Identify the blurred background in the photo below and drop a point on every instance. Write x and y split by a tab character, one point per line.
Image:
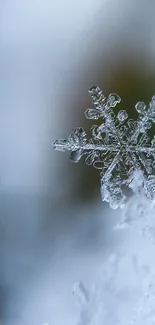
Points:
54	229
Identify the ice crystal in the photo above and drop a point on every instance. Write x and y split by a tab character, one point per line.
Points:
120	147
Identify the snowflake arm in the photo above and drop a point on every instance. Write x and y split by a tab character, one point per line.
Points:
120	147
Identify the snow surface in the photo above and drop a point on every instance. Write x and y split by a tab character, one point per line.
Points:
124	293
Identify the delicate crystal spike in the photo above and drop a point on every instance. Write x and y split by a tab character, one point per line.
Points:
120	147
140	107
97	96
113	100
93	114
60	145
122	116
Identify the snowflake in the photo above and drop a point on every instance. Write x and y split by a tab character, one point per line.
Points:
120	147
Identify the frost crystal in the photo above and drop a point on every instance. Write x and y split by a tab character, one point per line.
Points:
120	147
